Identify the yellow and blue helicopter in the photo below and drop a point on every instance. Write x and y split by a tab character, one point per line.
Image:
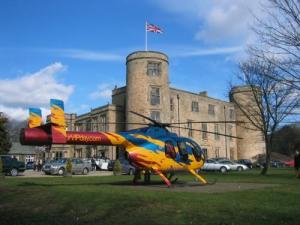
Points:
152	149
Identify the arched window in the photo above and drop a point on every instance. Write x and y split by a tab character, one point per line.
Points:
170	150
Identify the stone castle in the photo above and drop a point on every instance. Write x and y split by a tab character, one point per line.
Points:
147	92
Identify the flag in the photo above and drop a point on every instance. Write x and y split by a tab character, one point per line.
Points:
153	28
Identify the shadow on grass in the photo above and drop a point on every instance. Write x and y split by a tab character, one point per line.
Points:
126	183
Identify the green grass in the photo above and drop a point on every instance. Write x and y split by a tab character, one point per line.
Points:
95	200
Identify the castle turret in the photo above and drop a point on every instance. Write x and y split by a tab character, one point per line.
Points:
147	80
252	143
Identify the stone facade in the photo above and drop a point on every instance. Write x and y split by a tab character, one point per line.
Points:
147	92
252	140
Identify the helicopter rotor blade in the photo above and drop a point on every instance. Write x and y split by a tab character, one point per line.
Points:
156	123
145	117
221	121
209	132
147	124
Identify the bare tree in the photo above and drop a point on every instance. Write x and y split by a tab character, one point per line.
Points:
271	102
278	35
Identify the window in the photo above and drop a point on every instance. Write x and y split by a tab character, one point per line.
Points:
102	123
155	96
88	125
195	106
79	127
211	109
153	68
170	150
58	155
183	151
204	128
204	150
232	153
217	152
217	136
171	104
155	115
231	114
95	124
190	127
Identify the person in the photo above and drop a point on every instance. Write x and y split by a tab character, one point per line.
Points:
297	163
93	164
39	166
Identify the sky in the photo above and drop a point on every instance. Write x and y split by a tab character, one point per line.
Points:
75	50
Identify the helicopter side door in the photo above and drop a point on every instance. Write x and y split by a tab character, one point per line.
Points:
183	152
170	149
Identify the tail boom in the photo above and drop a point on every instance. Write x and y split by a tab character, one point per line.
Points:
42	136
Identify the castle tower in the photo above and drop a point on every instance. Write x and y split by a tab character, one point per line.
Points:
147	87
252	143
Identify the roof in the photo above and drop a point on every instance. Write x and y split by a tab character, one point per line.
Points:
18	149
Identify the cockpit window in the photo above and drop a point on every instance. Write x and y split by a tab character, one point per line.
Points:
170	150
183	150
197	152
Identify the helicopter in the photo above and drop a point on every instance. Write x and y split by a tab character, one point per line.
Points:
151	149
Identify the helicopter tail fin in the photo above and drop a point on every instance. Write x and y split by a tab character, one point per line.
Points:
35	117
57	119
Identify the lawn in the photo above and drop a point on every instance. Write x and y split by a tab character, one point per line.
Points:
100	200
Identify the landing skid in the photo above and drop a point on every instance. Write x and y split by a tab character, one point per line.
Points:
168	180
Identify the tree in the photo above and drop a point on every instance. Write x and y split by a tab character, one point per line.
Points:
5	143
272	102
278	35
286	139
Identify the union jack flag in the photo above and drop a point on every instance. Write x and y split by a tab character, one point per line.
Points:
153	28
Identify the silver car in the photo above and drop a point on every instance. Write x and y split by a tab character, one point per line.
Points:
59	167
234	165
214	165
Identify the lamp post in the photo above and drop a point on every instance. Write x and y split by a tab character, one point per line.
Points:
178	117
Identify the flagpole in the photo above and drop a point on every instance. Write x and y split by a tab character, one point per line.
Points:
146	47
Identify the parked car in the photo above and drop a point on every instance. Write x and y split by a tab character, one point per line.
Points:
30	165
47	166
12	166
219	158
58	167
289	163
246	162
127	168
277	164
234	165
213	165
102	163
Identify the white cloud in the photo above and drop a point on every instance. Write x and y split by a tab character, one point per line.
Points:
32	90
88	55
103	91
219	20
190	52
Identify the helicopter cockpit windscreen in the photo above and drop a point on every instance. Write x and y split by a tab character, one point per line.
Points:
197	152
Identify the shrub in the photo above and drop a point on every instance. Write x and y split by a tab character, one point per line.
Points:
117	168
69	166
